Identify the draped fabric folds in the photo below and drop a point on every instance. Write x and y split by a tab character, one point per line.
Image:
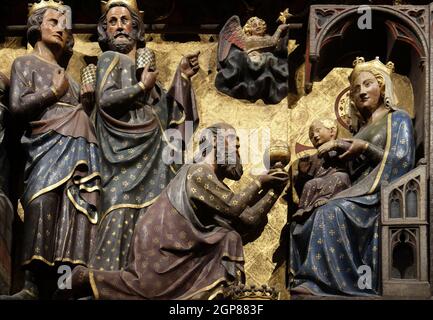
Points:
342	235
62	179
135	148
242	78
175	254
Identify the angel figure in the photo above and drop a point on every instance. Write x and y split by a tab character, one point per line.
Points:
253	65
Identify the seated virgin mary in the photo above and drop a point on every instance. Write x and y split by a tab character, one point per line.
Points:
328	249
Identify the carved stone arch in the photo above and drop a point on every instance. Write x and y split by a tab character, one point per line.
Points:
411	28
336	14
404	254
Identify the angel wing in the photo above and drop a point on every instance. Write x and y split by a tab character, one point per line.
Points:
231	34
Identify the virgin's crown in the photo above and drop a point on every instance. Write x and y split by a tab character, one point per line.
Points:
376	64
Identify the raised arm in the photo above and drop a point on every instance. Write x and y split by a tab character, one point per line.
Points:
207	192
115	91
26	102
180	88
254	42
253	216
352	148
277	34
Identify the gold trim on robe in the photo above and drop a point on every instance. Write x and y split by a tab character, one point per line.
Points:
386	153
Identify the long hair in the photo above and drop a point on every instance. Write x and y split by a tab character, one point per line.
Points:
137	25
34	35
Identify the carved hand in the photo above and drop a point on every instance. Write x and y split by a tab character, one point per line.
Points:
269	181
283	27
87	96
339	145
60	82
326	147
148	78
357	147
87	88
189	64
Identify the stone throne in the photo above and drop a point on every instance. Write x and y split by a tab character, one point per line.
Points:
399	34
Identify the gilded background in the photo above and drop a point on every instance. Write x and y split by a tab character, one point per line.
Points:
286	122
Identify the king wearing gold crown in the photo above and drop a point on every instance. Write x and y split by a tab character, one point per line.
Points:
133	112
382	150
130	4
45	4
62	158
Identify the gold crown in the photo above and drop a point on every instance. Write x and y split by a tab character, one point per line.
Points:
242	292
54	4
131	4
360	65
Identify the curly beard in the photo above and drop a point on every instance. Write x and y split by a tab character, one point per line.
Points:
122	46
232	166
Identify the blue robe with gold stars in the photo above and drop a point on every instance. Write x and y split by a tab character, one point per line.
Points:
339	237
131	127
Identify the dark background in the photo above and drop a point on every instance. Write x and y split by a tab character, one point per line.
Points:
179	16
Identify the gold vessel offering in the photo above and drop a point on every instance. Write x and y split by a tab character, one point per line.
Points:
277	156
144	57
88	75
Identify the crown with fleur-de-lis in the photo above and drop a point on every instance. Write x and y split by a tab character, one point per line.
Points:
242	292
130	4
360	65
375	67
54	4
